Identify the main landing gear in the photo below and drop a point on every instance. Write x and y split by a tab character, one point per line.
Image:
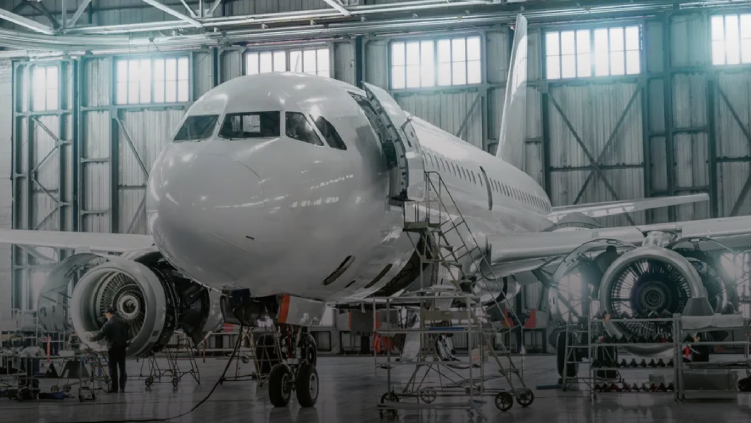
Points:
297	371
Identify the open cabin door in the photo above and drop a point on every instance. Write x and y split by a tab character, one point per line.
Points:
401	147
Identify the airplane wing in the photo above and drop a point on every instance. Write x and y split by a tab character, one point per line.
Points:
626	206
514	253
87	241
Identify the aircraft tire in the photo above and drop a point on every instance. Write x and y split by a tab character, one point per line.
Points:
280	386
307	385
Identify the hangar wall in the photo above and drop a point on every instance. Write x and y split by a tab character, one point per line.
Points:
680	126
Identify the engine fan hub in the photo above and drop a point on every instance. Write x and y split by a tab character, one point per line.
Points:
129	304
654	296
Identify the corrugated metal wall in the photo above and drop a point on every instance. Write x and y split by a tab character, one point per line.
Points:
593	112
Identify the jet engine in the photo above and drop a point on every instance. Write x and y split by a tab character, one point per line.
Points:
150	295
656	279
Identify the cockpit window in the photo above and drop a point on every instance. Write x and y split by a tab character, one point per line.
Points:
250	125
197	128
329	133
298	127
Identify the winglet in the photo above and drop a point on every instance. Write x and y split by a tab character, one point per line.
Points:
514	122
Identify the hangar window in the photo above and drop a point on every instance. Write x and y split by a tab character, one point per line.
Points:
197	128
297	126
45	87
250	125
264	62
144	81
329	133
731	39
427	63
600	52
314	62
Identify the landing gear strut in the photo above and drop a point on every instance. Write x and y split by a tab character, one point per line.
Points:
297	371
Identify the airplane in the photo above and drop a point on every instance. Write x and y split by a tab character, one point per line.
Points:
288	192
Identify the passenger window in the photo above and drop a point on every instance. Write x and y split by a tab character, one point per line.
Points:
250	125
329	133
297	127
197	128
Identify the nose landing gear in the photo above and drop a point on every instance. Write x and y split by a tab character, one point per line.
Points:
297	371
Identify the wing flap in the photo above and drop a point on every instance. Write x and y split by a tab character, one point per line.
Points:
91	241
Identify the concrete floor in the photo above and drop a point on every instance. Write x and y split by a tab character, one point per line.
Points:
350	388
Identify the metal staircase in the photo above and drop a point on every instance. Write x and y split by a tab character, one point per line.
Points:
438	220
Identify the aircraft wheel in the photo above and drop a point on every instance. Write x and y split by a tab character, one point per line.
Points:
280	385
307	385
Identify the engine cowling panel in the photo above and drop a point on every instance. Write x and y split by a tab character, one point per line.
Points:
147	292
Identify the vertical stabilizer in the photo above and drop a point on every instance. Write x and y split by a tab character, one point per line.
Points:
514	121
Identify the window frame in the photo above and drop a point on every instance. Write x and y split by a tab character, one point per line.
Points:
592	51
741	64
288	49
152	57
481	35
33	107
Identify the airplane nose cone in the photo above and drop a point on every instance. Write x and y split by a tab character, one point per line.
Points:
204	209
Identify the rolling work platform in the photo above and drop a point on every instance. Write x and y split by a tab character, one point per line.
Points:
454	305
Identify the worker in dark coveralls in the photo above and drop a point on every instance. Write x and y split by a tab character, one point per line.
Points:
115	332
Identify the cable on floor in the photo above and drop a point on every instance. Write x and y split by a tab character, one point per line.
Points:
195	407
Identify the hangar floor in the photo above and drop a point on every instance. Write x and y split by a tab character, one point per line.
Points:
349	390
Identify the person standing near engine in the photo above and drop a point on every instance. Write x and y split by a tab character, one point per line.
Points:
115	332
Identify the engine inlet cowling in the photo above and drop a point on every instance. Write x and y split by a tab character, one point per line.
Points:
149	295
648	282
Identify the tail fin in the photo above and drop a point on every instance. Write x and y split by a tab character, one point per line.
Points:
514	122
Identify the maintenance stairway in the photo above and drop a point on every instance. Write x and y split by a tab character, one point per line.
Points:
466	304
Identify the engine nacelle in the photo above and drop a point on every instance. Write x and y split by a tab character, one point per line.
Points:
147	292
648	281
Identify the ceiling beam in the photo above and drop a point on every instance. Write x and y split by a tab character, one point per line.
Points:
79	13
173	12
189	9
338	6
25	22
214	6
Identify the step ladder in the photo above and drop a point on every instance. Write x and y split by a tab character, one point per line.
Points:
435	220
576	345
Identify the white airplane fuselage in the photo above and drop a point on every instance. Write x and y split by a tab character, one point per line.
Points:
278	215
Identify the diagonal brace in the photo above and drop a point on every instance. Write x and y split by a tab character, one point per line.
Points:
79	12
338	6
592	160
747	186
132	146
469	114
25	22
611	139
170	11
